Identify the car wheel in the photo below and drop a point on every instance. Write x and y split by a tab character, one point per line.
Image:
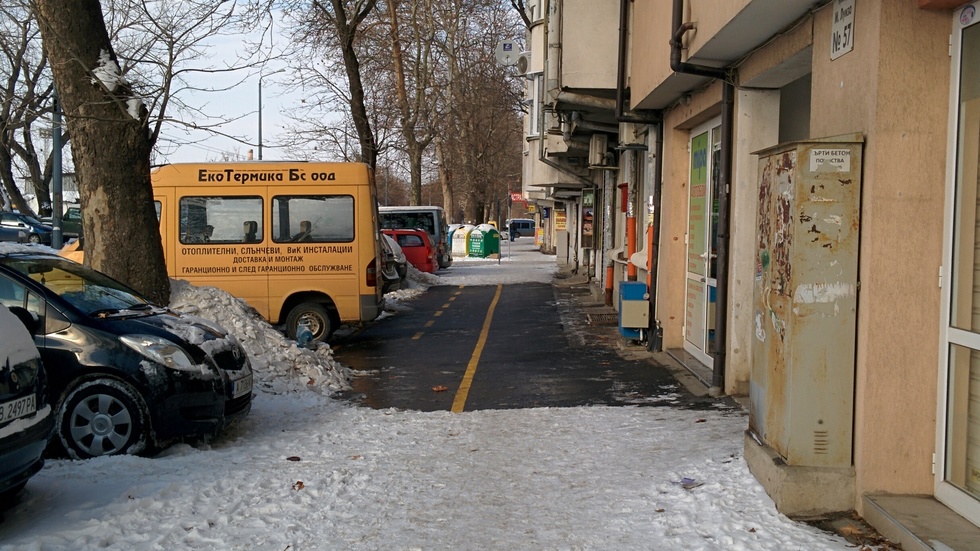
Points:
103	417
34	238
315	316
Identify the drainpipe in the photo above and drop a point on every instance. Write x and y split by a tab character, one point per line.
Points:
727	136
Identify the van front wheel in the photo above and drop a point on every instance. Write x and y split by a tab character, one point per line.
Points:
315	316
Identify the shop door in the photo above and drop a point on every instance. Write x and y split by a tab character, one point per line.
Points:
958	449
702	238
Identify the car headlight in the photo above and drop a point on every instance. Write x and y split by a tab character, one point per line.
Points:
161	351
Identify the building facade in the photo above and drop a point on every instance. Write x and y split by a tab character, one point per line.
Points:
796	183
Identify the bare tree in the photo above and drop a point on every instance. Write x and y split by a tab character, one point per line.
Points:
161	45
414	78
25	99
111	145
481	102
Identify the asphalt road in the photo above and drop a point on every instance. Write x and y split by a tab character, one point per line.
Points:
464	348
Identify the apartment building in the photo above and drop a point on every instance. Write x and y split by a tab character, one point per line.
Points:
796	184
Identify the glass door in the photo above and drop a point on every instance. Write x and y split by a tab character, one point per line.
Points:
702	239
958	449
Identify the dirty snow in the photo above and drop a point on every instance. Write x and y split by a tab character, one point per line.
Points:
305	471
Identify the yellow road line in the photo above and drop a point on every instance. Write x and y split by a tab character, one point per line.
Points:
459	402
429	323
417	336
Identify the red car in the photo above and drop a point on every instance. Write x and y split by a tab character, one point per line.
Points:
417	247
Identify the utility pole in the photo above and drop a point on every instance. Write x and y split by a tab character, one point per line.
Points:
57	211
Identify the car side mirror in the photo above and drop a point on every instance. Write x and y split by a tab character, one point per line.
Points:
29	320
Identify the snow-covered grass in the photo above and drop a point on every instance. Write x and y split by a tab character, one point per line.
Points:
305	471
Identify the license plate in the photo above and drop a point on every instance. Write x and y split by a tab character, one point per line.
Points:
241	386
20	407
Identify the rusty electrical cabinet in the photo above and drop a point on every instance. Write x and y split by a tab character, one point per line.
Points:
805	298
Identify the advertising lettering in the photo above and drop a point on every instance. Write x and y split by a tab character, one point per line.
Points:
231	175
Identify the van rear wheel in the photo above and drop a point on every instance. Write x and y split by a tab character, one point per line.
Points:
315	316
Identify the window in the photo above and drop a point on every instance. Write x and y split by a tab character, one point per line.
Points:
534	101
409	221
313	218
220	219
410	241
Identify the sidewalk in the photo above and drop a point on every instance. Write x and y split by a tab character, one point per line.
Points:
599	324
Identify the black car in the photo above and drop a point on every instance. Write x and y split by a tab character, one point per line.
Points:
24	228
71	222
124	375
26	420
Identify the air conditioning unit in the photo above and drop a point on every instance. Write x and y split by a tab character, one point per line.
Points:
597	149
523	63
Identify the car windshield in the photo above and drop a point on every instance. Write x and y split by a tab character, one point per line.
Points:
84	288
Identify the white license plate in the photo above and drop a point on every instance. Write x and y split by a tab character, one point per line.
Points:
20	407
241	386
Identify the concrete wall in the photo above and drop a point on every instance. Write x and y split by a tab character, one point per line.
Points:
894	87
650	57
585	64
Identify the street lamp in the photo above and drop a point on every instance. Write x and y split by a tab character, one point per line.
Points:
260	109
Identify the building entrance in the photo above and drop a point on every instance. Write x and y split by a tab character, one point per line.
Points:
702	239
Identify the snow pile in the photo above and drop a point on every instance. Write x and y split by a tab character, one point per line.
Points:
278	363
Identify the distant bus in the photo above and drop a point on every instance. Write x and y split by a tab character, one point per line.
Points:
432	219
297	241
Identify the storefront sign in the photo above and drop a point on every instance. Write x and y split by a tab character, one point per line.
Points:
560	220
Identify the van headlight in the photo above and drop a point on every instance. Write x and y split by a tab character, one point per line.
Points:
161	351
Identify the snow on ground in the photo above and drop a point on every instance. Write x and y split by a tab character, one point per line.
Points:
305	471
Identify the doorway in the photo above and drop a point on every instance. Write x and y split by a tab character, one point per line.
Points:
702	240
958	441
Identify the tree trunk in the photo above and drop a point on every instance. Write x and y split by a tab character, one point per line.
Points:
110	145
448	199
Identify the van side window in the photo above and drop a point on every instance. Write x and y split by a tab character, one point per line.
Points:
313	218
219	219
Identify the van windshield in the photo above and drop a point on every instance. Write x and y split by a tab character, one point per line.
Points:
409	221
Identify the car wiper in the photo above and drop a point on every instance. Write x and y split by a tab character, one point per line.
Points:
104	313
140	306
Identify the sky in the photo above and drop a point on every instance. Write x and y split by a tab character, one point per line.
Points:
306	471
239	103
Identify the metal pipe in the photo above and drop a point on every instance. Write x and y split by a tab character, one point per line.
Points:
57	190
725	174
721	293
653	342
676	64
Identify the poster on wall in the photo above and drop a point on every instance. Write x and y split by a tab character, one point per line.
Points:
560	220
588	217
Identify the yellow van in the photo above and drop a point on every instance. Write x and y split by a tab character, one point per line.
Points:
297	241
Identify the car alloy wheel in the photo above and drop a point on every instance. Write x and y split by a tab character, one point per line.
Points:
103	417
34	238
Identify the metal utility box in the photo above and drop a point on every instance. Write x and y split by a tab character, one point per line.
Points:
805	299
634	309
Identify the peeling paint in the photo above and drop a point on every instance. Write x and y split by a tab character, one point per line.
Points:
811	293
